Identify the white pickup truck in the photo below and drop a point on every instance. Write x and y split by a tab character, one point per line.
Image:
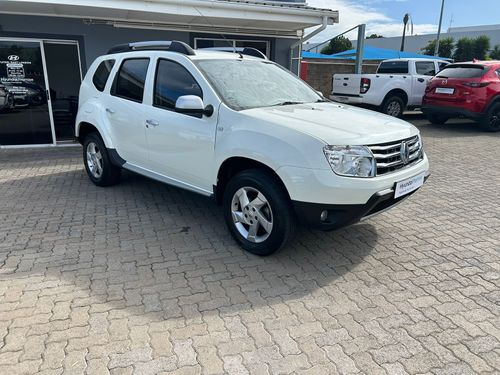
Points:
397	85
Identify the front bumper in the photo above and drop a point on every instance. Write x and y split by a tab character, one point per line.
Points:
341	215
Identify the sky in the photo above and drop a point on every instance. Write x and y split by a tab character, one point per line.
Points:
385	16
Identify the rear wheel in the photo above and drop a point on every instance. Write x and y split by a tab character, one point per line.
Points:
437	119
393	106
97	162
258	212
491	122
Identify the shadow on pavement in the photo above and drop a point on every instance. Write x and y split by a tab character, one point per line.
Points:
152	249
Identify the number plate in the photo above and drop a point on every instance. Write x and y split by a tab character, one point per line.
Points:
410	184
444	90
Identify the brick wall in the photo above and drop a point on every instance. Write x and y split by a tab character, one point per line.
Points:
320	72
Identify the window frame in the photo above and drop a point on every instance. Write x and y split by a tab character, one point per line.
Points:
158	61
107	78
112	91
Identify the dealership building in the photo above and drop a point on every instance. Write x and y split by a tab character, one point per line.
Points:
46	47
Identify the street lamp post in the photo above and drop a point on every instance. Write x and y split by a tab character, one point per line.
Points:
405	22
436	48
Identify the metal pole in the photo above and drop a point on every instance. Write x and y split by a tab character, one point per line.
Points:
360	47
436	49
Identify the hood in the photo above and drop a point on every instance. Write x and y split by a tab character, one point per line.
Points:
336	124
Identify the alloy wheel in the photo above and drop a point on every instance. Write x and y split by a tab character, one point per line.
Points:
394	109
252	214
94	160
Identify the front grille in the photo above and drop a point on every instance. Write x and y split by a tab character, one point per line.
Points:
390	158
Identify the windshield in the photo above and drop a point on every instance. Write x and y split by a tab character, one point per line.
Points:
247	83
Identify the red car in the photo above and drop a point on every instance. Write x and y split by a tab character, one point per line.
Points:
470	90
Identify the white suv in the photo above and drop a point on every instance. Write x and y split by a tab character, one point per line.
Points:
247	132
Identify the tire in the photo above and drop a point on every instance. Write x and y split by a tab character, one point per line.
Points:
436	119
266	208
97	162
393	106
491	122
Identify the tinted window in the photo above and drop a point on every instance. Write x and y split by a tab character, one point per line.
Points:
173	80
498	73
101	74
425	68
443	65
462	71
129	81
394	67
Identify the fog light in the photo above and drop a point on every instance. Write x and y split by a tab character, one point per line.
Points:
324	215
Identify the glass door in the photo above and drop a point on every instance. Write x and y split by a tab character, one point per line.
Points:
24	109
64	77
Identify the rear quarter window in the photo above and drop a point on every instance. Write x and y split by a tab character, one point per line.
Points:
101	74
393	67
462	71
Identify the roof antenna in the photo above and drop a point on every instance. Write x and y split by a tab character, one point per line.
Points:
222	35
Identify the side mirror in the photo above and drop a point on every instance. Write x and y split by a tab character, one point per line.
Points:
319	93
193	105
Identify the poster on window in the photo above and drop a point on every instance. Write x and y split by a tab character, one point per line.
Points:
24	114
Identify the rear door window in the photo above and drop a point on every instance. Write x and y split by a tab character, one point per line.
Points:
425	68
101	74
130	79
443	65
393	67
463	71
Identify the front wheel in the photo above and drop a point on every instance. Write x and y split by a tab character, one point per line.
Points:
258	212
491	122
97	162
393	106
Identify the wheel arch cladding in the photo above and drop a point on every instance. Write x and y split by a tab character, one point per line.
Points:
236	164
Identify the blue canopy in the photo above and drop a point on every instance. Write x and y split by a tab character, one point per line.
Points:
370	53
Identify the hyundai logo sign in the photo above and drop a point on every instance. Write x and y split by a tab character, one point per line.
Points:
13	58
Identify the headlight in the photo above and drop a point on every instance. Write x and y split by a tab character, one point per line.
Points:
353	161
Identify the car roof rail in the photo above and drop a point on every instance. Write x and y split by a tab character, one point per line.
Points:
249	51
171	46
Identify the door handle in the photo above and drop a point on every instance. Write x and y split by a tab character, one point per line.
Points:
420	79
110	111
152	123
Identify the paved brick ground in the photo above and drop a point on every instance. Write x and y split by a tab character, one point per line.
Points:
143	278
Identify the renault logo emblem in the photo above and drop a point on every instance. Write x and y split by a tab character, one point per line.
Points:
13	58
404	153
444	81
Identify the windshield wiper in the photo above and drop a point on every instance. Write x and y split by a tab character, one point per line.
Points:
285	103
322	101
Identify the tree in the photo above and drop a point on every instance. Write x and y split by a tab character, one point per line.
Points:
468	49
495	53
336	45
446	46
481	47
374	36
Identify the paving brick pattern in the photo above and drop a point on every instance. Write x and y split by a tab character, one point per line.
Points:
143	278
